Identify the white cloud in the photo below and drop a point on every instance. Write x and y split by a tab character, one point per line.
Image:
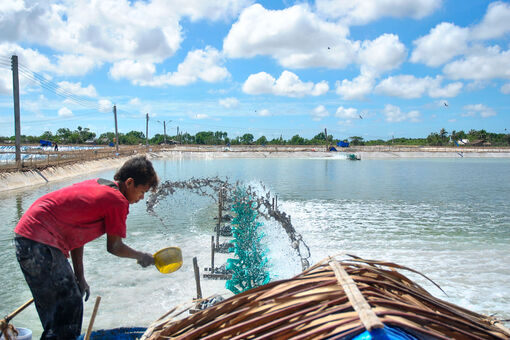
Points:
382	54
200	116
65	112
358	88
347	113
133	70
212	10
264	113
362	12
74	65
105	106
67	88
288	85
229	103
83	34
444	42
495	23
205	65
319	113
481	109
294	36
395	115
505	88
489	63
408	86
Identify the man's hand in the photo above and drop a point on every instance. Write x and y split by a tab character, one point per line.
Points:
84	288
145	260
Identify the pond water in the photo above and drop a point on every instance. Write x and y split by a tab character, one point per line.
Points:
447	218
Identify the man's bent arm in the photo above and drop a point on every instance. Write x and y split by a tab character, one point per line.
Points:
115	246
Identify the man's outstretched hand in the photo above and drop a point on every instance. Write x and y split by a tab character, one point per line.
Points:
145	260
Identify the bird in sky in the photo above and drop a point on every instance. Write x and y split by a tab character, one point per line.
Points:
446	104
360	117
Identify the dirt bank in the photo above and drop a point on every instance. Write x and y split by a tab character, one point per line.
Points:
21	179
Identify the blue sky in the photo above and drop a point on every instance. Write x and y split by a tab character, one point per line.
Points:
369	68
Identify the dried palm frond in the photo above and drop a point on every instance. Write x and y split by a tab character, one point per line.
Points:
337	299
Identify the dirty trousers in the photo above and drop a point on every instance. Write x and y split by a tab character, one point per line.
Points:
56	293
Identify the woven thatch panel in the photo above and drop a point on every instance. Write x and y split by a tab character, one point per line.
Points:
321	303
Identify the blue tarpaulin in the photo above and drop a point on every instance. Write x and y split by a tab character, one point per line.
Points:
343	144
386	333
123	333
44	142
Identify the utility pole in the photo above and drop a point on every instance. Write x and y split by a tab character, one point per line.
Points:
147	131
326	136
116	130
178	137
15	93
164	131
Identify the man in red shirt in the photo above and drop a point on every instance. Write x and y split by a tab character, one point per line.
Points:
62	222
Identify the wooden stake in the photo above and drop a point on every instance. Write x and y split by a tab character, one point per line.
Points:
197	278
92	318
212	254
219	219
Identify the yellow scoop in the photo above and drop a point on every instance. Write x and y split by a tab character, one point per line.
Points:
168	260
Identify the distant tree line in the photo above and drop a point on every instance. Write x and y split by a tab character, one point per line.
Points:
85	136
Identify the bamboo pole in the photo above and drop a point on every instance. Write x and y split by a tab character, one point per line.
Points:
92	318
197	278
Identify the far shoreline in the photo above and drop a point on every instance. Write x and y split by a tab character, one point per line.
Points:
22	179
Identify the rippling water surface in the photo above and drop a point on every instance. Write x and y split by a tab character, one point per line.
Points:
447	218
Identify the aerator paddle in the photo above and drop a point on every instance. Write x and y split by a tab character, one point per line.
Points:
168	260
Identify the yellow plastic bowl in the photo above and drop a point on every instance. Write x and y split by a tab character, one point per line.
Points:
168	260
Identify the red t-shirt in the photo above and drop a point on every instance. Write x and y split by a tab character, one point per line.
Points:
72	216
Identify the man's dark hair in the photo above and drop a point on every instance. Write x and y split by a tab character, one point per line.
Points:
140	169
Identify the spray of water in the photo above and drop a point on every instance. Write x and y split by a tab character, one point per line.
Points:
261	202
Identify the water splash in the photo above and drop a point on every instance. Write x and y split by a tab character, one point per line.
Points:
261	202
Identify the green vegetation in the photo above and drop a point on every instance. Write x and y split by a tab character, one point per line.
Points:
440	138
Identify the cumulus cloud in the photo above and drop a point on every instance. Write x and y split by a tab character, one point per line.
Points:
105	106
382	54
495	23
288	85
65	112
347	113
358	88
395	115
319	113
489	63
229	103
205	65
147	31
74	65
68	88
362	12
480	109
444	42
294	36
408	86
133	70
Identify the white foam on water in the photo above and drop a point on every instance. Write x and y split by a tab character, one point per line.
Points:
441	243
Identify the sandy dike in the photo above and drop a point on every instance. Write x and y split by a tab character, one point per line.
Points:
17	180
